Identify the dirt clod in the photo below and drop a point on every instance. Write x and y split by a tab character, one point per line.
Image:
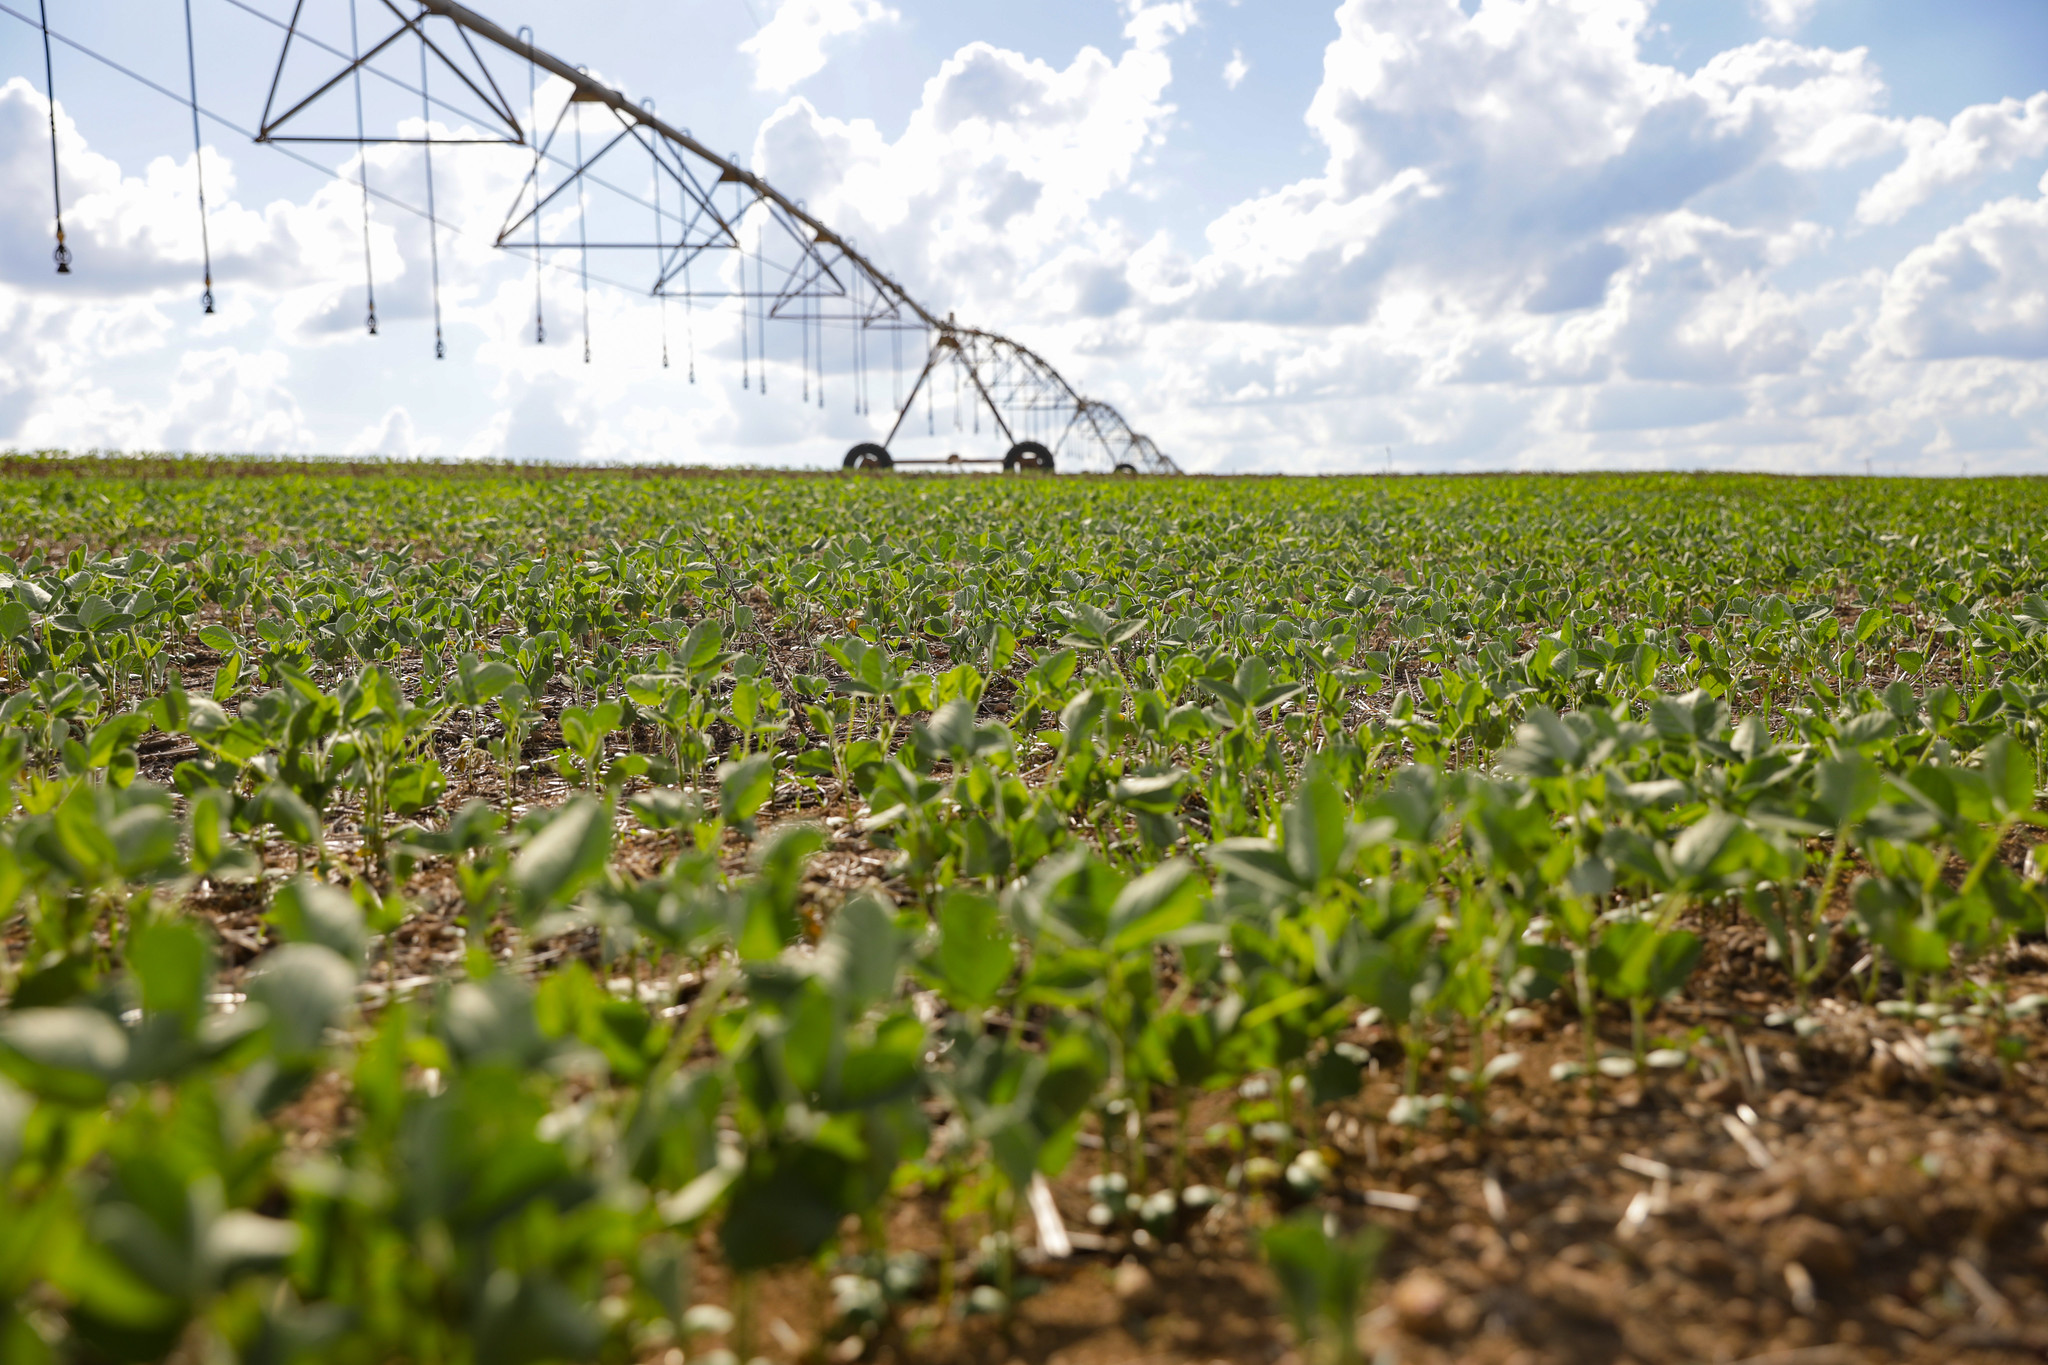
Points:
1421	1300
1134	1286
1822	1248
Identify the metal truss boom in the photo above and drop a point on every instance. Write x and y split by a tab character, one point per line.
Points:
760	246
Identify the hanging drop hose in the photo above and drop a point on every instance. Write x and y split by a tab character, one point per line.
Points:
362	166
433	228
689	319
540	330
198	171
660	286
62	254
744	320
582	228
761	289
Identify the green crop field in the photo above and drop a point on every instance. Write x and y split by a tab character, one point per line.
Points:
477	914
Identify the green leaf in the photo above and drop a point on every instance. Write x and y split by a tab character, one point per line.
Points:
1847	788
1857	732
1672	961
2009	773
308	911
1620	961
493	1020
479	684
112	736
94	612
1322	1279
1544	745
69	1054
1190	1047
1074	1070
1079	717
280	806
888	1068
303	988
1634	961
974	956
700	649
1714	847
1256	861
664	808
172	965
1167	898
412	787
1334	1077
1313	826
744	787
785	1206
862	950
1153	793
525	1319
568	853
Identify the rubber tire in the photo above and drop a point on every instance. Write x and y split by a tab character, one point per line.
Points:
1027	455
867	455
1127	470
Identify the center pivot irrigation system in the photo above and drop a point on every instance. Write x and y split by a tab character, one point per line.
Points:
714	230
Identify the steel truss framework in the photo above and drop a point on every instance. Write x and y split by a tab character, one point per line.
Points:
715	230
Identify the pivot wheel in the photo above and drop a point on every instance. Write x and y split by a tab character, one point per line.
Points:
1128	471
867	455
1028	455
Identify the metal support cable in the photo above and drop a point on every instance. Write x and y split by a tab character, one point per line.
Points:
1013	375
661	299
279	149
198	170
760	288
582	233
363	173
744	326
62	254
540	328
301	36
433	227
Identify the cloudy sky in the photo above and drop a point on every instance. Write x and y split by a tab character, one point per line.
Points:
1280	235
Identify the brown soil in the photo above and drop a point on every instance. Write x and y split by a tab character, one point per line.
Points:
1887	1213
1829	1200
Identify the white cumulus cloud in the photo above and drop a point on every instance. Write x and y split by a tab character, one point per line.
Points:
1525	243
1236	69
1783	16
989	196
1979	141
790	48
1979	288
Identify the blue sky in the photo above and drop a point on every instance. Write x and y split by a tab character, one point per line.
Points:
1293	236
